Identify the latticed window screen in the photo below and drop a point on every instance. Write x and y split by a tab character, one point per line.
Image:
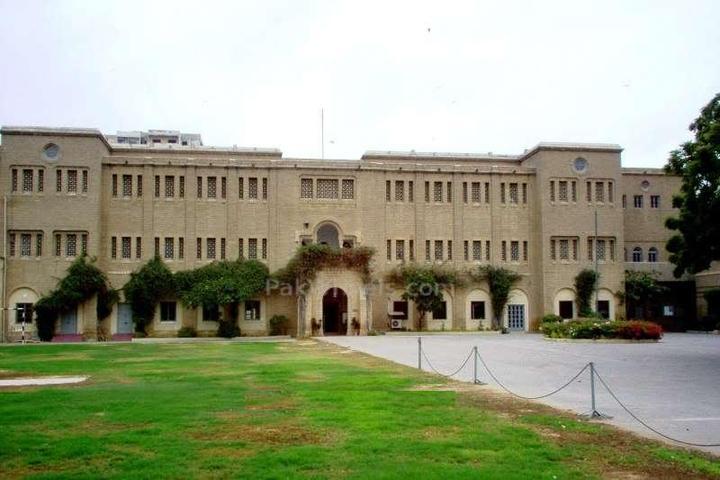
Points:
524	192
503	251
427	250
464	192
72	181
449	192
264	188
169	186
327	188
437	192
41	180
210	248
212	187
388	249
181	186
71	245
27	180
438	250
157	246
466	250
400	249
502	193
223	187
399	191
58	182
487	250
252	248
588	191
58	244
487	192
600	248
113	246
563	190
138	247
38	244
564	249
427	192
264	248
252	187
590	248
411	250
450	250
573	184
139	186
169	250
222	249
84	181
599	192
157	186
513	193
125	248
84	244
241	248
553	250
515	251
127	185
411	191
199	187
348	189
306	187
14	180
611	193
475	192
575	249
477	250
181	248
25	245
198	251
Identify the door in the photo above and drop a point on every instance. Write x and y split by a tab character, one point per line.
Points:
566	309
516	317
68	323
124	318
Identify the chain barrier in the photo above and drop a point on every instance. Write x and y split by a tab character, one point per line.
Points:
447	374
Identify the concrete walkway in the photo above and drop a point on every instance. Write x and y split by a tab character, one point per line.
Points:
674	385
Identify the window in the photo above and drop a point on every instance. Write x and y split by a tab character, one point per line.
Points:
58	245
553	251
427	192
525	251
502	193
600	249
27	180
58	182
241	248
181	248
113	246
253	188
427	250
437	192
487	192
637	254
41	180
199	187
169	186
38	244
575	249
348	189
477	250
411	191
552	190
515	251
399	191
157	246
71	245
599	192
198	250
23	313
524	193
466	251
387	190
438	250
590	248
411	248
14	180
513	193
440	312
212	187
388	250
223	187
400	310
327	188
181	186
210	248
588	191
612	249
449	192
653	254
573	189
157	186
72	181
168	311
264	248
210	313
624	201
252	310
465	192
450	250
125	248
603	308
138	247
265	188
565	308
654	201
611	192
563	190
477	310
252	248
487	250
25	245
503	251
638	201
127	185
169	250
222	249
475	192
139	186
564	249
400	249
306	188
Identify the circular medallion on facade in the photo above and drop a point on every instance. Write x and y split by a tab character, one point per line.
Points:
51	152
580	165
645	185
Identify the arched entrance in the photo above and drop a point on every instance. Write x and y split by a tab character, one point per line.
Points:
335	312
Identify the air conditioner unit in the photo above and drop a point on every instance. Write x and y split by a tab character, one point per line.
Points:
395	324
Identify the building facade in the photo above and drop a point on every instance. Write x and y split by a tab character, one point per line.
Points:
547	214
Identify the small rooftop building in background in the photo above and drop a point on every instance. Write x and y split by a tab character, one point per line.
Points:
151	137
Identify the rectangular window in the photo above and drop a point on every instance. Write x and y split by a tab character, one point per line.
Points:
638	201
612	250
169	186
327	188
611	192
58	246
14	183
654	201
427	192
563	190
181	186
588	191
553	254
524	193
573	184
525	251
199	187
575	249
590	248
27	184
388	193
264	248
600	249
211	187
306	188
157	186
265	188
222	249
411	191
388	250
427	250
169	250
624	201
157	246
552	190
58	182
25	244
515	251
138	247
477	310
72	181
477	250
113	246
38	244
503	251
71	245
487	192
440	312
400	310
181	248
252	248
399	191
487	250
223	187
23	313
513	193
450	250
125	248
466	251
502	192
41	180
599	192
210	247
411	249
437	194
348	189
210	313
139	186
475	192
241	248
449	192
400	249
168	311
438	249
83	243
564	249
127	185
465	192
252	310
198	251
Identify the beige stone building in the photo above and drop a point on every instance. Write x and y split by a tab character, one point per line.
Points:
546	213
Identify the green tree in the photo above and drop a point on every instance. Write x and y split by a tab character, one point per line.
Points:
146	287
697	242
423	285
500	282
585	282
641	289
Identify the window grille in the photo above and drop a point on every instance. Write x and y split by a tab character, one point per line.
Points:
502	193
27	180
41	180
25	245
138	247
466	251
139	186
264	248
513	193
563	191
515	251
264	188
487	192
252	248
222	249
84	181
223	187
181	248
348	189
503	251
477	250
210	248
411	191
157	186
599	192
252	187
438	250
306	188
327	188
211	187
169	250
84	243
169	186
113	246
38	244
400	249
14	180
72	181
58	182
125	248
399	191
71	245
475	192
437	194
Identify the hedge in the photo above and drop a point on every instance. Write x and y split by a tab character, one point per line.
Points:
593	329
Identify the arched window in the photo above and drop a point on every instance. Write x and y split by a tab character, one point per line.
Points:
637	254
328	235
652	254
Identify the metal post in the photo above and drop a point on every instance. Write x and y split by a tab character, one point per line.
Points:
475	354
419	353
594	414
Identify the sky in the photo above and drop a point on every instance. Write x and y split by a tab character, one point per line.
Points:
447	76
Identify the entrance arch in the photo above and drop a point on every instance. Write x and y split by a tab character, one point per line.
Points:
334	308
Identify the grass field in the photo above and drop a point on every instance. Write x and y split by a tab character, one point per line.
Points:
302	410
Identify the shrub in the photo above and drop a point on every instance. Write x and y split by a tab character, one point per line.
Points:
551	318
279	325
592	329
228	329
187	332
146	287
584	286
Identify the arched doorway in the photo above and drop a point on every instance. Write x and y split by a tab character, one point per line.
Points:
335	312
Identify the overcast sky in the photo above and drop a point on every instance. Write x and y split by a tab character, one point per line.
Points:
442	76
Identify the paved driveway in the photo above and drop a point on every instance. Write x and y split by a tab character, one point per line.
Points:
673	385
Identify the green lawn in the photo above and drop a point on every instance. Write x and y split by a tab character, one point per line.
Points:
302	410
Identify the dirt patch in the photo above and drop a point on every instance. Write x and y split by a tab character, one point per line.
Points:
276	434
227	452
441	433
310	377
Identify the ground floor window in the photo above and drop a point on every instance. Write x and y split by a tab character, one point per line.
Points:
603	308
210	313
477	310
440	313
400	310
168	311
24	312
566	309
252	310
